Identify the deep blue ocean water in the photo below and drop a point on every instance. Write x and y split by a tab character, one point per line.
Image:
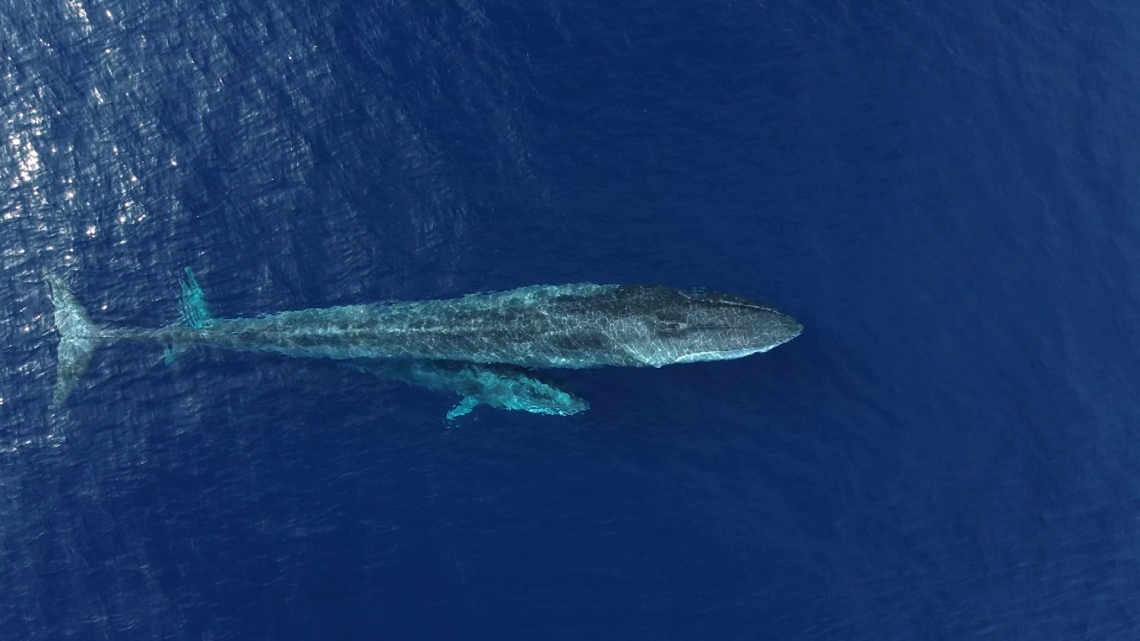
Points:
943	193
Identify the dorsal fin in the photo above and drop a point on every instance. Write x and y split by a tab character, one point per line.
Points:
192	306
193	311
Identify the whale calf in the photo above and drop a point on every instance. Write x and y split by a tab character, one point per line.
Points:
545	326
505	387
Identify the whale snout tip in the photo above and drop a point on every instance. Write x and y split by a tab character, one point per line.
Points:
796	327
783	329
792	328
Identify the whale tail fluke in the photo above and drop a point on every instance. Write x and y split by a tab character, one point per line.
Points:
78	339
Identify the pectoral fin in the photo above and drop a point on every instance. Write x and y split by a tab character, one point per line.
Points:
464	408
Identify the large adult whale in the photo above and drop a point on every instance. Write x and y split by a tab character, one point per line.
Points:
546	326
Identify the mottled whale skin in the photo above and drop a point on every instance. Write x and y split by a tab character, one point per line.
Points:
546	326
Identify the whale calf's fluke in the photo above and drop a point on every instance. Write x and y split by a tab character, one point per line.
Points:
546	326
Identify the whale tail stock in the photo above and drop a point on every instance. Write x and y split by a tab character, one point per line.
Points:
78	339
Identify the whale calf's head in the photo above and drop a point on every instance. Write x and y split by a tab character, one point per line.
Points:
701	325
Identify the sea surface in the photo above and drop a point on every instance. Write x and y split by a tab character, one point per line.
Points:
944	194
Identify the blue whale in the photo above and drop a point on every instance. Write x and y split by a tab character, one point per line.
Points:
545	326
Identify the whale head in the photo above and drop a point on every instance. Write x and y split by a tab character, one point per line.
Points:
702	325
